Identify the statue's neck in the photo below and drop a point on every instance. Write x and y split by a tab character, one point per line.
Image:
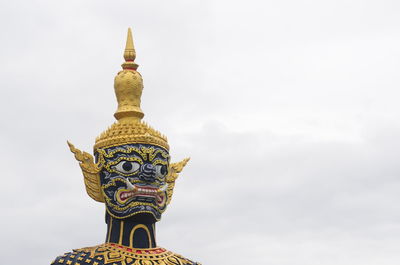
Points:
130	233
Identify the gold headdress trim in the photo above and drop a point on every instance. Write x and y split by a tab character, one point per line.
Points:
90	172
133	132
174	170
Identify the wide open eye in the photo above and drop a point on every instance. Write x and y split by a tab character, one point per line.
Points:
127	167
161	171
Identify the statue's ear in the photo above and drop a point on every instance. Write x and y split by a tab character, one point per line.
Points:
173	173
91	173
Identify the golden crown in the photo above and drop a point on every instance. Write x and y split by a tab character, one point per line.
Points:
129	128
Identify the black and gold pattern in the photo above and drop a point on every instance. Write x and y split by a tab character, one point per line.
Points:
114	254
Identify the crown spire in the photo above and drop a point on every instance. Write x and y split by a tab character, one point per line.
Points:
129	53
128	85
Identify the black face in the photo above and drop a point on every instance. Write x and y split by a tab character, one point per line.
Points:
133	179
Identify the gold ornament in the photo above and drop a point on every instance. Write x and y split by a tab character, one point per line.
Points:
116	254
130	131
128	85
90	172
173	173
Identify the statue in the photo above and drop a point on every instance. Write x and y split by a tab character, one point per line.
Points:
131	173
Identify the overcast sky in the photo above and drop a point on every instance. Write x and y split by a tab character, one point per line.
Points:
288	109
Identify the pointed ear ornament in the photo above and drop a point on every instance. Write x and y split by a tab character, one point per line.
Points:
173	173
90	172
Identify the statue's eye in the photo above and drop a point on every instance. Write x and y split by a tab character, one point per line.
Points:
127	167
161	170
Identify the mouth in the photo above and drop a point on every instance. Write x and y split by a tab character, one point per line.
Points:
142	193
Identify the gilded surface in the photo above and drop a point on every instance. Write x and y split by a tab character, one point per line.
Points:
114	254
90	172
174	170
130	132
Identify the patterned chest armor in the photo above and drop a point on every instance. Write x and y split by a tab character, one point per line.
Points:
114	254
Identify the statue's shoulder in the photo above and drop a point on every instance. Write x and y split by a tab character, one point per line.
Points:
114	254
82	256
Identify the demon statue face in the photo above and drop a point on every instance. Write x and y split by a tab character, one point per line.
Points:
130	179
133	179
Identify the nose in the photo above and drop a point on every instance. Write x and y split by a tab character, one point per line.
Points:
148	173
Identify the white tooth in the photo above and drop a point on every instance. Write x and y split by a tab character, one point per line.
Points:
163	188
129	185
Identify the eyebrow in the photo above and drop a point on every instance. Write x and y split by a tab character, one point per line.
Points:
119	155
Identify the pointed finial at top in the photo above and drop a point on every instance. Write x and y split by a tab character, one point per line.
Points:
128	86
129	53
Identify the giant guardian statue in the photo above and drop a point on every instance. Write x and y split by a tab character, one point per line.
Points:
131	173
